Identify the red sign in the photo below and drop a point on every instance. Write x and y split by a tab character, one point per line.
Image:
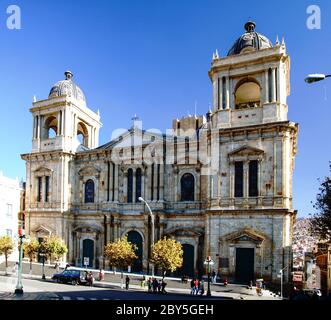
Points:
21	232
297	277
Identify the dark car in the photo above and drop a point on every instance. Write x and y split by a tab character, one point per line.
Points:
71	276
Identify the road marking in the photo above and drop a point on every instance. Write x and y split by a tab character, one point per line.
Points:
66	298
80	298
93	299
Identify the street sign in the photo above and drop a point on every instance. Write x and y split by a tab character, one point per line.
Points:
86	261
210	262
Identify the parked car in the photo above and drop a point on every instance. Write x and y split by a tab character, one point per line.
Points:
72	276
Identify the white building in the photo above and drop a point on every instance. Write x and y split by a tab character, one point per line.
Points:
9	207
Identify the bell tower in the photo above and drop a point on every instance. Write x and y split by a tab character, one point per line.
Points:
251	84
63	121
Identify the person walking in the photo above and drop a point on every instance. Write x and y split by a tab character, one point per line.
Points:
101	275
202	288
196	286
213	276
149	285
127	282
163	286
192	286
155	285
90	279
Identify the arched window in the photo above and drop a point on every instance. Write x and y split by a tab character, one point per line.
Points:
82	134
138	184
248	95
187	187
51	127
130	185
89	191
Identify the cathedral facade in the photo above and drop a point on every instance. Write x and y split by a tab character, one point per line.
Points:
220	184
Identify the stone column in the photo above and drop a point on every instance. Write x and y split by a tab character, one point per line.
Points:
215	93
227	92
220	93
64	116
266	86
273	84
116	183
134	185
162	182
231	178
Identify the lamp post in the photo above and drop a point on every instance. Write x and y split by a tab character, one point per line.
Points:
209	262
19	286
281	281
43	253
316	77
152	221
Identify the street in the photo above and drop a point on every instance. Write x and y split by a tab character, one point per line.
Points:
37	289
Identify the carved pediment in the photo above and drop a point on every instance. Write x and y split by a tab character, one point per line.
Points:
246	151
244	235
88	228
181	232
89	171
41	231
42	171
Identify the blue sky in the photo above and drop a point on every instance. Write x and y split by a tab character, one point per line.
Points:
152	58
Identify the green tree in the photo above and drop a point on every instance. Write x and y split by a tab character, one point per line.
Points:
6	247
56	248
120	254
167	254
30	249
320	225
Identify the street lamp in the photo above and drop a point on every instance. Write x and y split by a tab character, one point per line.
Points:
316	77
19	286
152	221
281	281
209	262
43	253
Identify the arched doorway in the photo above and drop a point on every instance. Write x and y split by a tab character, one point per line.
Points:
135	238
88	251
188	261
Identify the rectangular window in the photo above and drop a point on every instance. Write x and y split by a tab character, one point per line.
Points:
40	184
9	210
239	179
253	178
46	189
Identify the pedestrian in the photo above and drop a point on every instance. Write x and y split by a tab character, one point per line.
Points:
196	286
213	276
163	286
15	268
142	283
90	278
159	287
202	288
101	275
155	285
149	285
192	286
127	282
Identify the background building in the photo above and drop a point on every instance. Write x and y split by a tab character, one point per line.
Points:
221	184
9	208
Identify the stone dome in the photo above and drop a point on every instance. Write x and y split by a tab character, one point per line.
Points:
250	41
67	87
